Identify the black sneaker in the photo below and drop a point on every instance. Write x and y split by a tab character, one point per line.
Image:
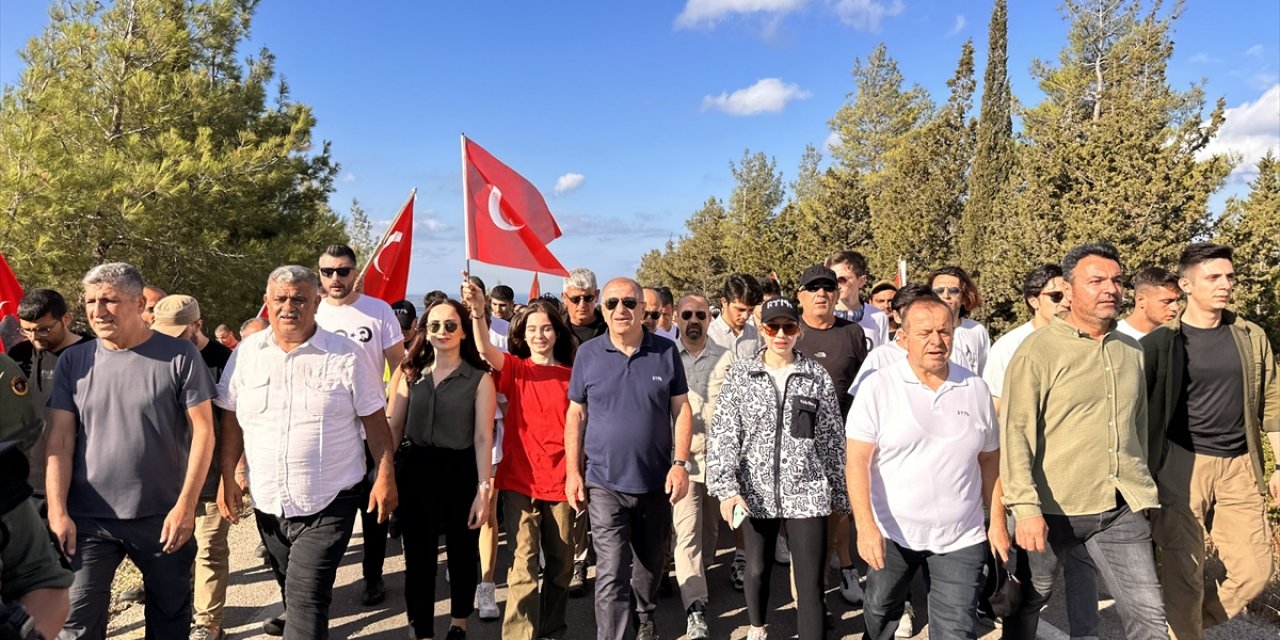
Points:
374	593
578	583
274	626
456	633
393	527
133	595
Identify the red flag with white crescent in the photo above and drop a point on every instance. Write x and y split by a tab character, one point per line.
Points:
386	275
508	222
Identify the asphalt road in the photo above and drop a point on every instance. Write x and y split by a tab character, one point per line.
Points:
254	596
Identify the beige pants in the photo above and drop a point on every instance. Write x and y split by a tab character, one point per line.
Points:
695	521
1199	494
212	570
536	608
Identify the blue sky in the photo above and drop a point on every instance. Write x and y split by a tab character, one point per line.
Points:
647	102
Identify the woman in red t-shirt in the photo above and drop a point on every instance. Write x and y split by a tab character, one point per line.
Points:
534	376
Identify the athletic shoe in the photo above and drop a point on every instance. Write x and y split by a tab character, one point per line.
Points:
849	587
696	626
907	625
486	601
646	631
757	633
374	593
133	595
782	553
203	633
738	572
274	626
578	582
456	633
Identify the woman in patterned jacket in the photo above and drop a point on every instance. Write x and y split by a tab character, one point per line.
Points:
775	449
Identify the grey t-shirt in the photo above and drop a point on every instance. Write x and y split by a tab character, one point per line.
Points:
132	432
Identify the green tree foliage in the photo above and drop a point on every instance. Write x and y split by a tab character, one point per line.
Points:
135	134
750	240
917	212
694	263
359	230
994	151
1252	226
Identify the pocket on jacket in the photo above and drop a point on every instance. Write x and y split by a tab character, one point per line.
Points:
804	417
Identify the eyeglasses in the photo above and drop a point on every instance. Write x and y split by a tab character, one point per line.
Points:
686	314
787	328
653	315
947	291
39	332
1054	296
612	303
579	299
449	326
819	286
341	271
843	280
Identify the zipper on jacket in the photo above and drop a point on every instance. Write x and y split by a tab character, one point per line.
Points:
777	449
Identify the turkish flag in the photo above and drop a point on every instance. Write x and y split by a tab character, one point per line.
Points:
10	290
386	275
534	290
508	222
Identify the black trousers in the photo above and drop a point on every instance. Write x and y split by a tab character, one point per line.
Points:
807	539
437	487
375	533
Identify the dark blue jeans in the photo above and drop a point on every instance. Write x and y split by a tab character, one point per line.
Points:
101	544
955	580
1119	541
304	553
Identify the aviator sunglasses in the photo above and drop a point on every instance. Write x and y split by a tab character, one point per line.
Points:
786	328
449	326
612	303
686	314
1054	296
579	299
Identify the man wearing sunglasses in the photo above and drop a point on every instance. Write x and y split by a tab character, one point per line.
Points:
626	390
1155	302
653	315
840	346
579	298
850	268
372	326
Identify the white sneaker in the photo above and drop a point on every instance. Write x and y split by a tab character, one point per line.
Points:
757	633
782	553
486	601
907	625
850	590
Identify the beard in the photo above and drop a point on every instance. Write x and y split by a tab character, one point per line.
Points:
693	330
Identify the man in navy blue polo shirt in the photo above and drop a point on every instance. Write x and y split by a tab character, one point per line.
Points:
626	389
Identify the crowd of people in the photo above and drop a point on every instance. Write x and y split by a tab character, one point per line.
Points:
871	429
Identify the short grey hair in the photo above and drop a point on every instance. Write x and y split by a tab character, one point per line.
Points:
261	323
293	274
581	278
123	277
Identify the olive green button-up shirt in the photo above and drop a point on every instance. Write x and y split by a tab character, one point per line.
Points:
1073	416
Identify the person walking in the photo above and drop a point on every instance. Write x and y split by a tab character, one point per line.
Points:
775	452
970	340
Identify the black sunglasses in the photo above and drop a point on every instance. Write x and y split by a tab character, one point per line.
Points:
819	286
449	326
686	314
579	299
653	315
341	271
1054	296
628	302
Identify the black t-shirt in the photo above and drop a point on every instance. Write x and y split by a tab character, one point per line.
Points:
585	332
215	356
1210	417
841	350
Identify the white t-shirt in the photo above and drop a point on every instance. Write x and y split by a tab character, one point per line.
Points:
1129	330
970	343
874	323
368	322
879	358
498	329
926	486
670	334
1002	354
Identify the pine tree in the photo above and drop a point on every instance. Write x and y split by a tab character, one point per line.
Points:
1252	226
751	245
694	263
359	230
994	153
135	134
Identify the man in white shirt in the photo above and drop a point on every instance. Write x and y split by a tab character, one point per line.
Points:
372	326
851	277
295	400
895	351
733	329
919	473
1155	302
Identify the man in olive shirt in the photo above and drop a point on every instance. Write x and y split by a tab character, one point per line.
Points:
1211	379
1073	450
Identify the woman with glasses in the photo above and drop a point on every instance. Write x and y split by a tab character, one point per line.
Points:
970	341
443	416
775	455
534	376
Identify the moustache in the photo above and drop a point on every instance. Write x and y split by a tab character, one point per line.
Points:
287	315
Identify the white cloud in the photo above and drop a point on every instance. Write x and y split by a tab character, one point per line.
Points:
706	13
959	24
1251	129
865	15
831	142
348	177
569	182
1255	51
767	95
1202	58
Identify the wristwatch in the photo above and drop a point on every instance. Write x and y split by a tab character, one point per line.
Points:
683	464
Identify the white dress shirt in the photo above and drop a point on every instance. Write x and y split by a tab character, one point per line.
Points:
300	414
1002	354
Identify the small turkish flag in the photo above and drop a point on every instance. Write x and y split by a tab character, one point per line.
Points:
10	290
534	290
508	222
386	275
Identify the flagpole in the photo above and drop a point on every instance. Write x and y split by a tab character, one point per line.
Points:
386	234
466	195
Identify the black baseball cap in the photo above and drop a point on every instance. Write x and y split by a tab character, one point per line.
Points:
817	273
779	308
406	313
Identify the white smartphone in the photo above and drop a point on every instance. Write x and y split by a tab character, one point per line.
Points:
739	514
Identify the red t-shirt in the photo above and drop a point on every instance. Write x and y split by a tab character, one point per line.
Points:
533	444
